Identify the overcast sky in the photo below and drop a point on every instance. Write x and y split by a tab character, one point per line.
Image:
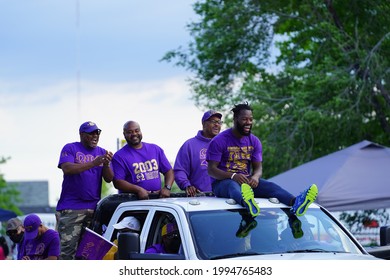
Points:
64	62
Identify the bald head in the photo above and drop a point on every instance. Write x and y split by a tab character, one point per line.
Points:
132	133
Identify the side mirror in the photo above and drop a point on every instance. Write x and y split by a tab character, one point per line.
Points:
384	235
128	242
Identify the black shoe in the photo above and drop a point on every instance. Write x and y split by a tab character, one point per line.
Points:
296	226
246	226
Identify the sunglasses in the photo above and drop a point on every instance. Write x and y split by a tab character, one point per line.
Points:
94	132
172	235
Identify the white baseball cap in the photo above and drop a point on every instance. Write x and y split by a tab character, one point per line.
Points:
128	222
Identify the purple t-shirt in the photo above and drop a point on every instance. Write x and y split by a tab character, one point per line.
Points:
156	249
48	244
20	247
234	154
191	166
141	167
83	190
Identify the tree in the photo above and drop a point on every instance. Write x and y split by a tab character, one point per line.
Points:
9	195
315	72
359	221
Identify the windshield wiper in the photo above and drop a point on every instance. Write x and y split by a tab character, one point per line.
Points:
236	255
313	251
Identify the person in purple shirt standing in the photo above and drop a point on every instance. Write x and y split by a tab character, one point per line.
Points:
190	166
84	165
41	243
137	166
235	164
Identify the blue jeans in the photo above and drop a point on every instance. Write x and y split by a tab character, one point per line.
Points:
231	189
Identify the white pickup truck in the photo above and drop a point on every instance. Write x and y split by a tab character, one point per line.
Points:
208	227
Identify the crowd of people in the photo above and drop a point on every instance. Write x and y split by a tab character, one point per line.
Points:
227	164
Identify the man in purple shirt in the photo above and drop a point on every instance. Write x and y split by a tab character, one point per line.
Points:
235	164
170	241
84	165
137	166
190	166
41	243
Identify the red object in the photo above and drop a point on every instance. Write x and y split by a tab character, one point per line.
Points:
371	224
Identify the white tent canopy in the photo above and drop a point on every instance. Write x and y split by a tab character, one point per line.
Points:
355	178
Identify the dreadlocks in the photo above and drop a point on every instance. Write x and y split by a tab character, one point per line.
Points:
239	107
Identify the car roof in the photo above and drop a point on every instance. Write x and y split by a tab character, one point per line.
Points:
203	203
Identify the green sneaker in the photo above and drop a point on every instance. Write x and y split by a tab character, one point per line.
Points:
249	200
303	200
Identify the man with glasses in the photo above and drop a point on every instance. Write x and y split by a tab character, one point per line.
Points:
190	166
84	165
170	241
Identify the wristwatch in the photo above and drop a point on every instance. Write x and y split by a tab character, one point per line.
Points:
168	187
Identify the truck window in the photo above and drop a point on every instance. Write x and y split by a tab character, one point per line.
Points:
139	215
164	235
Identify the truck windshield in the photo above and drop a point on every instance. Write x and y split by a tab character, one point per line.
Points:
219	234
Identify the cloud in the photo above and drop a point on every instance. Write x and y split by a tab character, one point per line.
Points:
38	123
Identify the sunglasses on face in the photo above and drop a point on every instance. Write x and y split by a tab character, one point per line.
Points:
172	235
97	132
215	122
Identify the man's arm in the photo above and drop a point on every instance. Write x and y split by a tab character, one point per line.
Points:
125	186
219	174
169	177
181	169
71	168
215	172
256	175
108	173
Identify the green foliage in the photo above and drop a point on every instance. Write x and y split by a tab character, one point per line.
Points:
316	72
9	195
106	189
357	220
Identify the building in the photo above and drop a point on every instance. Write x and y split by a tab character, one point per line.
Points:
34	196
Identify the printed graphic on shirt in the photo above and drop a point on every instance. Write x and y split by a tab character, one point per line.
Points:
83	158
239	159
202	157
147	170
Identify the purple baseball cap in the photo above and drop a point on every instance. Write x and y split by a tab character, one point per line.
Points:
89	127
31	224
168	228
209	114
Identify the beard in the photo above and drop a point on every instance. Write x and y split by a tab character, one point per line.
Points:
242	131
134	141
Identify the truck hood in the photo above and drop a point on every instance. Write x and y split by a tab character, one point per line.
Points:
309	256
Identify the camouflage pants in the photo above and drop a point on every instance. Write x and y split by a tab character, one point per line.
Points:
70	226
